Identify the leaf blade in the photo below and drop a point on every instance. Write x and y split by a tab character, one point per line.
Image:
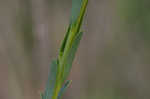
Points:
63	89
51	81
71	55
76	6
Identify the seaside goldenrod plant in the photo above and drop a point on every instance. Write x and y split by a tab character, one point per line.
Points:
60	67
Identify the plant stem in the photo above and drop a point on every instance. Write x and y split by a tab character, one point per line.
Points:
73	31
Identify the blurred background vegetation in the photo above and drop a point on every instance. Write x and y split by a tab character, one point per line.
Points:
112	62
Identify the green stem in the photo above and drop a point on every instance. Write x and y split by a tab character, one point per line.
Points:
73	31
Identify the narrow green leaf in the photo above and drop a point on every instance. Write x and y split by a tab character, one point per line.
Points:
76	6
51	81
61	67
78	10
65	40
79	20
71	55
63	89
